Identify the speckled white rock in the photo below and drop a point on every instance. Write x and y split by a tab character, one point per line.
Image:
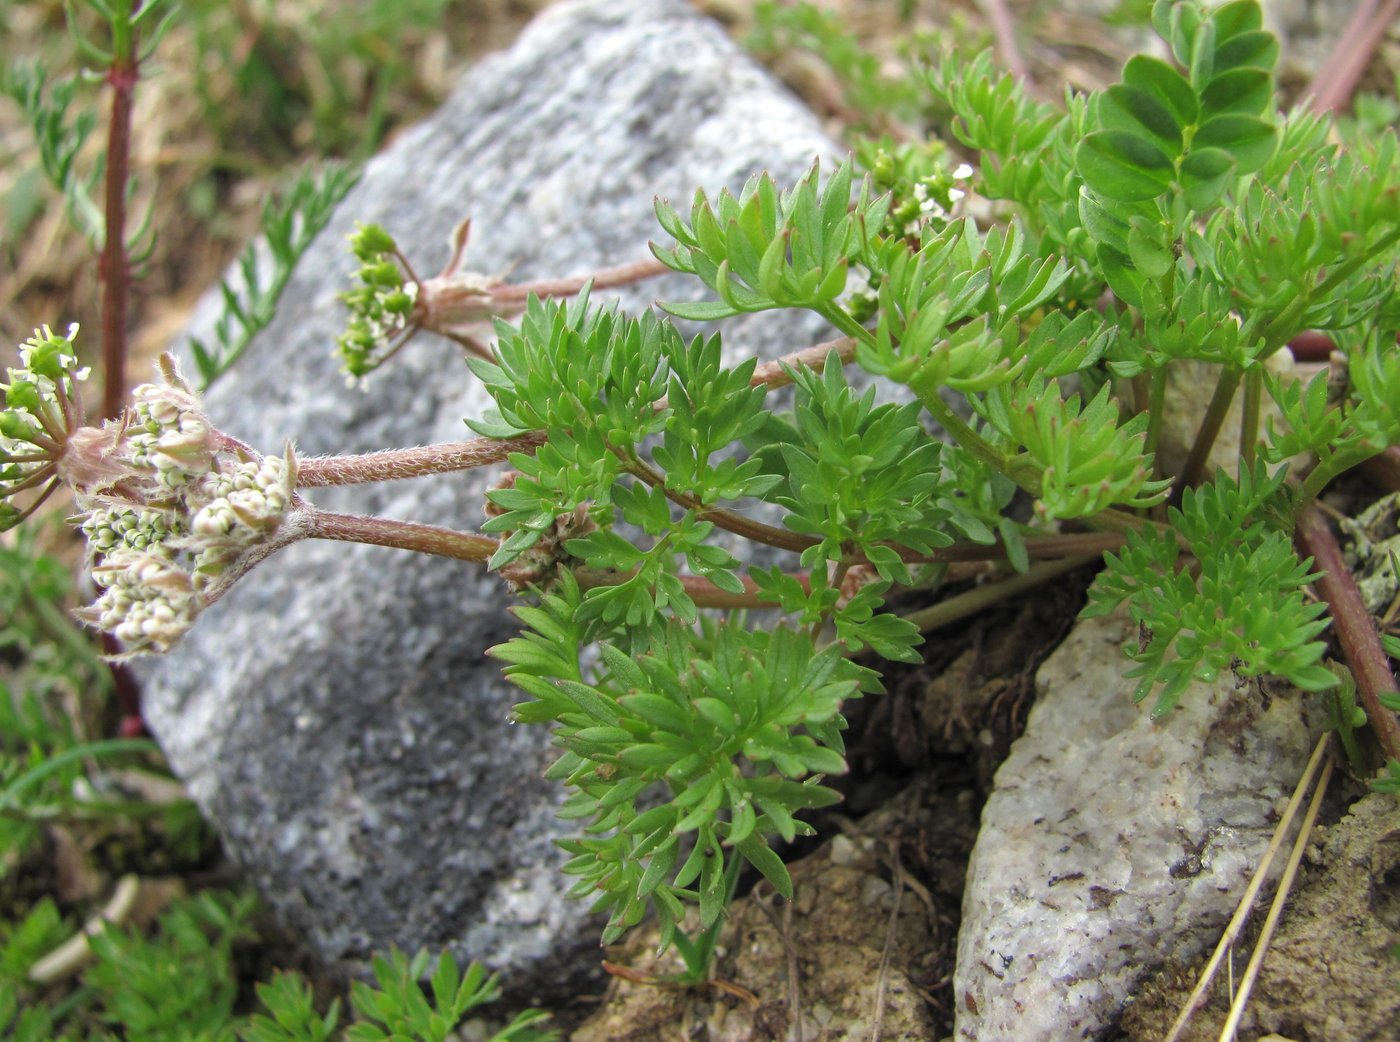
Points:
1113	842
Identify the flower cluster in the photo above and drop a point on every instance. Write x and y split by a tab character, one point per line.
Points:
41	406
166	434
172	510
380	304
922	183
167	540
922	187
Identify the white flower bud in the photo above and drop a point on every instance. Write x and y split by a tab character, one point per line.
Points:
149	603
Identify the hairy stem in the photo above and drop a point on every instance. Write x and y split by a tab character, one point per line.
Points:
606	278
1353	625
394	464
403	535
456	304
774	374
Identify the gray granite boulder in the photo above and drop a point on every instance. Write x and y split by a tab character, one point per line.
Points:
335	716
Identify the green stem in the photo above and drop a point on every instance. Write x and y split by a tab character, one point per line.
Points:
97	810
1249	421
1343	702
699	954
1323	474
982	597
1351	267
842	320
1022	471
1156	399
1194	468
838	576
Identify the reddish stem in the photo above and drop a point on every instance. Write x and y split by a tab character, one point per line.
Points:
1355	629
411	463
606	278
1336	81
403	535
702	591
1004	30
1384	469
1312	346
114	266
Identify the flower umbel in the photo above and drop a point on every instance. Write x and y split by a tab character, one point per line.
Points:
380	304
41	408
173	511
191	513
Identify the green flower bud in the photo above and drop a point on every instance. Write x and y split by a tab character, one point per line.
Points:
46	358
17	428
23	393
883	169
386	273
368	241
398	303
47	355
359	298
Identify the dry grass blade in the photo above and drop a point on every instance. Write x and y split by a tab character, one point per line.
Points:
75	953
1285	885
883	978
1242	911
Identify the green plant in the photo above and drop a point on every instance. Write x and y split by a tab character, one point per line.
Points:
397	1007
289	224
53	690
393	1008
177	981
1175	217
178	984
